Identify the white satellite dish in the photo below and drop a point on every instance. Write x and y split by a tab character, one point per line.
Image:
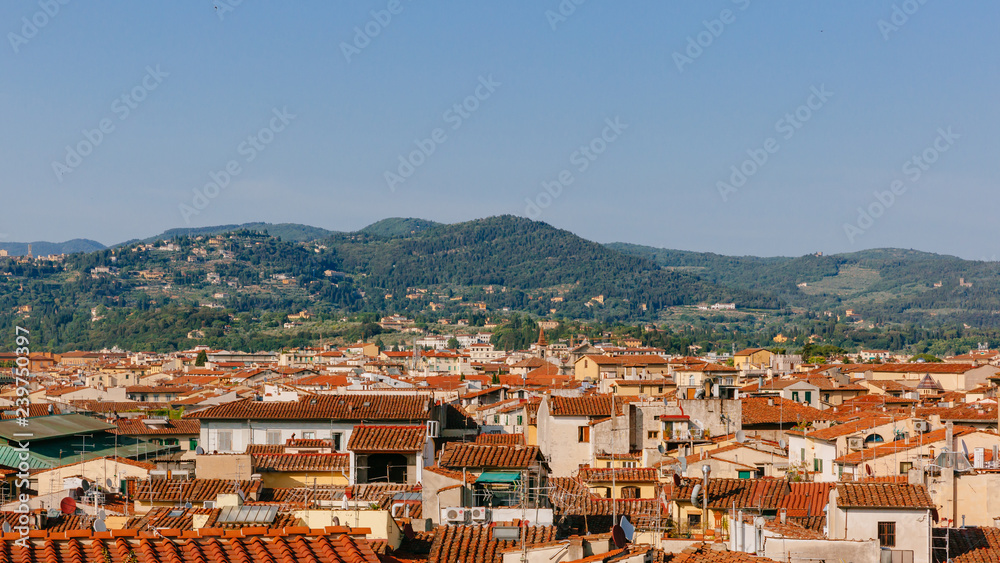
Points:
101	515
199	450
6	527
684	464
740	436
100	526
781	443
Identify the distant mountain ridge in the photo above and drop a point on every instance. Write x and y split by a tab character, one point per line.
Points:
44	248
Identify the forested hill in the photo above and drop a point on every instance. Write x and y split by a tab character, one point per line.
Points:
528	266
235	287
887	284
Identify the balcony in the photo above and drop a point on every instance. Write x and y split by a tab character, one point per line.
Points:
686	435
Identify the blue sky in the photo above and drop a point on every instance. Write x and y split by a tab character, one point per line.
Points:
327	112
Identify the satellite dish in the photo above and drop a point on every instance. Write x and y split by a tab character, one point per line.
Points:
187	505
759	522
54	513
100	526
740	436
781	443
965	449
101	515
67	505
868	469
627	527
199	450
618	536
677	480
408	531
336	521
661	449
110	483
6	527
85	485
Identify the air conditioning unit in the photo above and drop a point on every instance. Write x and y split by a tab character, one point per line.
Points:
453	515
855	443
432	428
479	514
921	426
209	504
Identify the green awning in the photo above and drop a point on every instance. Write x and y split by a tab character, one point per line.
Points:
506	477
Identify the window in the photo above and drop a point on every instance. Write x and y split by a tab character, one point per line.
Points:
652	434
309	435
496	419
826	398
905	467
520	420
337	438
809	397
273	437
225	441
887	534
744	474
795	396
628	464
817	465
583	434
802	454
694	520
193	445
631	492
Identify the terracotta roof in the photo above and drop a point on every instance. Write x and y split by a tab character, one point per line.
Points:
775	410
765	494
301	462
183	519
593	405
136	427
966	545
207	545
806	499
601	474
475	544
846	428
501	439
195	490
387	439
457	454
325	407
883	495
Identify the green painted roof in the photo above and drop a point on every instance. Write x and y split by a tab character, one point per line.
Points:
52	426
